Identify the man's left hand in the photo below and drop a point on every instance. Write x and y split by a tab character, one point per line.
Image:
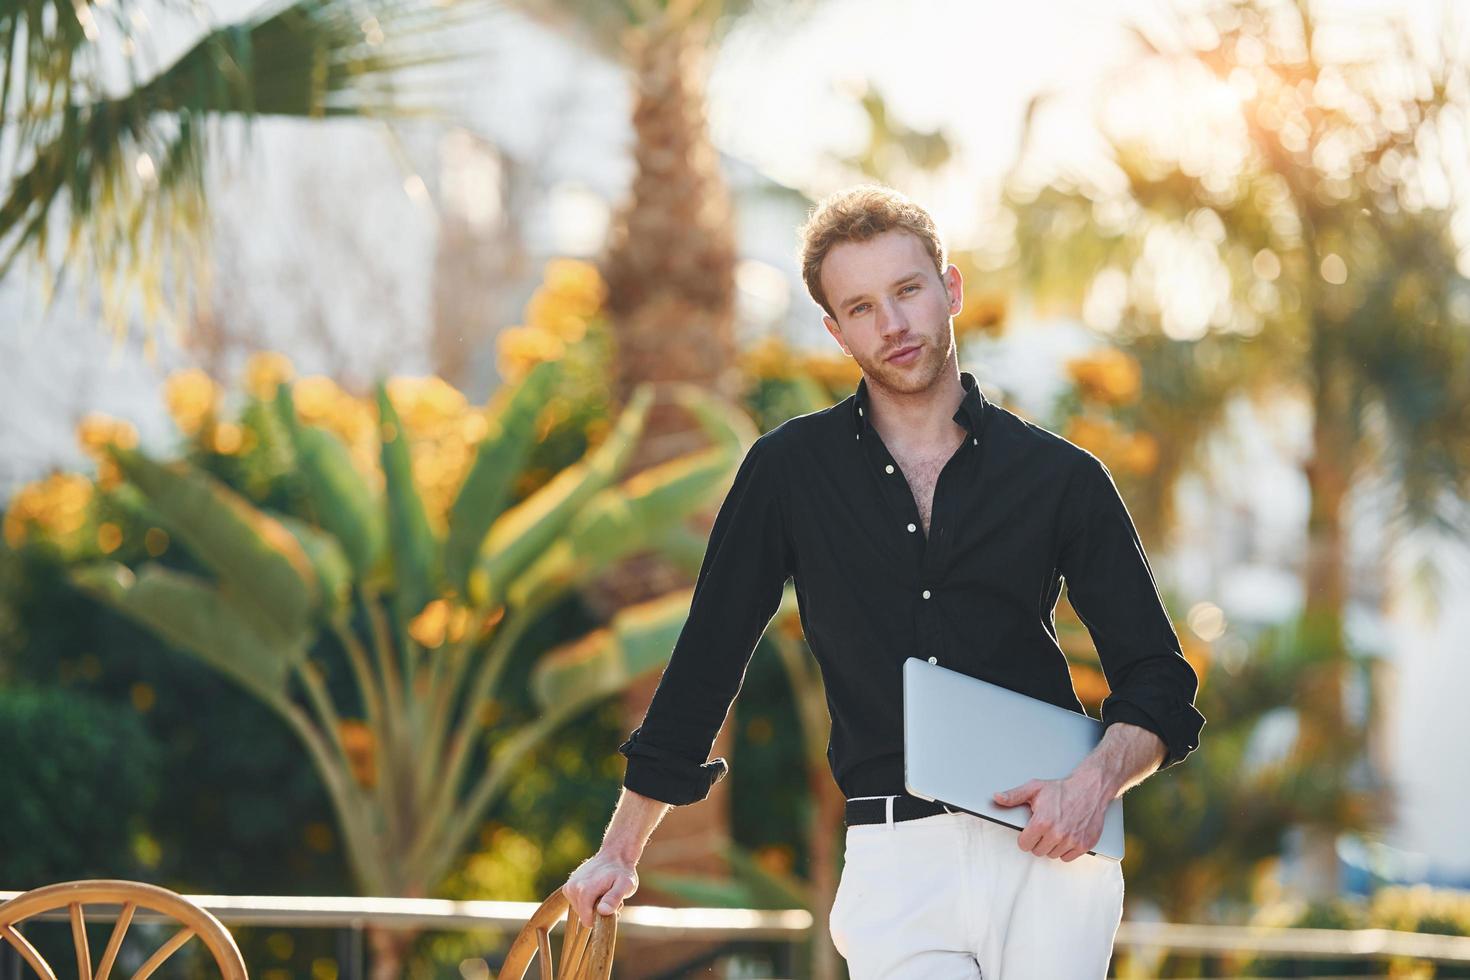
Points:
1066	815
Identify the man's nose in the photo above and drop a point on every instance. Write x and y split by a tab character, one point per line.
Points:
891	321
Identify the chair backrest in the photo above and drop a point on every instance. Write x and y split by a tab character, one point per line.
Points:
586	951
131	896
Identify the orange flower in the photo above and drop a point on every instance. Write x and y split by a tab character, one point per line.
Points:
229	438
767	358
265	371
57	507
982	312
520	347
577	284
1108	375
1090	684
1140	453
361	749
192	398
97	431
428	628
1097	436
109	537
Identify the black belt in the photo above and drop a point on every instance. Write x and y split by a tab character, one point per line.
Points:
874	809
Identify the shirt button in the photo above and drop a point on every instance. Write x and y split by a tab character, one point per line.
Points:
974	442
912	528
934	660
860	411
926	593
889	468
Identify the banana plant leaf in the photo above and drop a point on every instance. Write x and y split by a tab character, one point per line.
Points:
682	545
340	499
499	458
197	618
415	548
603	662
702	891
619	521
260	562
333	570
750	886
810	394
522	533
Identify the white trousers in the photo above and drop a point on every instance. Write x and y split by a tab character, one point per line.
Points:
953	896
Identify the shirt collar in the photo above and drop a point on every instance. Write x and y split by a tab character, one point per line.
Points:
970	414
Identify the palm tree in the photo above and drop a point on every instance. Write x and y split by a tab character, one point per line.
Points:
669	264
129	168
383	643
1336	282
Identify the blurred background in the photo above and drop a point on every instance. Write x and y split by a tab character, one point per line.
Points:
371	371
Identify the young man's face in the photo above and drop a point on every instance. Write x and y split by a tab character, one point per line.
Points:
888	298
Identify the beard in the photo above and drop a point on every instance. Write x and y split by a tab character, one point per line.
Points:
916	376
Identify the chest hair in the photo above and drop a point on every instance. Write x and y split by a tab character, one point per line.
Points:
922	473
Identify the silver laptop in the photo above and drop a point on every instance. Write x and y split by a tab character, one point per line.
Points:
964	740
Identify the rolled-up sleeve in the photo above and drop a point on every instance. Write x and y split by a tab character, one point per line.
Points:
738	590
1111	587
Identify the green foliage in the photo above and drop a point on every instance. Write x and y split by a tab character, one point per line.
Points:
489	485
415	550
1340	280
228	806
69	758
1418	908
1198	840
338	499
128	169
335	605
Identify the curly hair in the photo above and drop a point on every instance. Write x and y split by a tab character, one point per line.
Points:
856	215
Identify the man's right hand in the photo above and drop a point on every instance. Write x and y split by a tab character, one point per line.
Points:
601	882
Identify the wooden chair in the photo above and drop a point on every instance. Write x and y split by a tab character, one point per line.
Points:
131	896
586	952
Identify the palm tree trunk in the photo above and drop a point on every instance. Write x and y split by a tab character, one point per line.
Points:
670	271
390	951
1322	717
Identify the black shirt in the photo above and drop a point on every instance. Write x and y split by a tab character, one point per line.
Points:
1017	509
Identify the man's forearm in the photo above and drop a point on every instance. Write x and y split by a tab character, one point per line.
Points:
633	822
1123	757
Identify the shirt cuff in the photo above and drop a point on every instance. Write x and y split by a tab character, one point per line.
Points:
1179	738
662	775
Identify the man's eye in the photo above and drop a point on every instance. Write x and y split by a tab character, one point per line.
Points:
858	308
911	285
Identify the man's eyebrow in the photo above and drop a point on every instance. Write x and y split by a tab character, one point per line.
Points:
896	283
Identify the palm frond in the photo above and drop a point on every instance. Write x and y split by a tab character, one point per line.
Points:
132	166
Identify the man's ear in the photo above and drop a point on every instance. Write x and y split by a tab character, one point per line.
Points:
836	333
954	284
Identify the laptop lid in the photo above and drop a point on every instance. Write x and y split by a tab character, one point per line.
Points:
966	739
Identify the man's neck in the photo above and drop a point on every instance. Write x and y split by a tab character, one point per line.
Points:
921	421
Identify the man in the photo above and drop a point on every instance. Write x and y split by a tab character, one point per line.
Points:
920	519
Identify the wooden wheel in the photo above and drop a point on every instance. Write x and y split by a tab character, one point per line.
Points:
131	896
586	953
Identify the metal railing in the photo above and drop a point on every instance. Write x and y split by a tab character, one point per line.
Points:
782	925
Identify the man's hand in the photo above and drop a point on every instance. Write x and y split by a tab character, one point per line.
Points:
603	881
1066	815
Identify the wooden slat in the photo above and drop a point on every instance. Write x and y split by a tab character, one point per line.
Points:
114	943
29	952
574	954
543	954
79	939
601	966
568	942
163	952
